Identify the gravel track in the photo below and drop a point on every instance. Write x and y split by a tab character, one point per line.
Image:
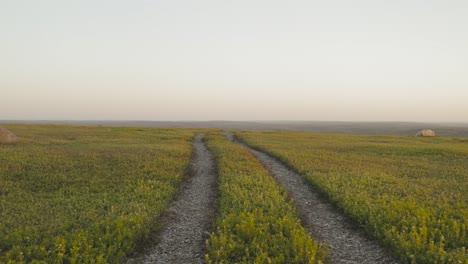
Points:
186	224
324	222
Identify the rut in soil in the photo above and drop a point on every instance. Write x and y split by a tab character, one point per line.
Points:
323	221
187	222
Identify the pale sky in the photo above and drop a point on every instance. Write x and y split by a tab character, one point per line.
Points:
402	60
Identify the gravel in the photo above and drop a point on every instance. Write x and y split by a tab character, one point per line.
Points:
324	222
186	224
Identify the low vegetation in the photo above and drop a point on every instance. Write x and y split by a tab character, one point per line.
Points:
71	194
410	193
85	194
256	222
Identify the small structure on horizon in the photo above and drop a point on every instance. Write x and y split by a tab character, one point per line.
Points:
6	136
426	133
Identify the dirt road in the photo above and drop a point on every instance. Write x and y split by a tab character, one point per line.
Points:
324	222
189	217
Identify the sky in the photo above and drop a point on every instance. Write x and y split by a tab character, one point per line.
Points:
337	60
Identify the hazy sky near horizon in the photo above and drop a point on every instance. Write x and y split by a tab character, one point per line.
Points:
370	60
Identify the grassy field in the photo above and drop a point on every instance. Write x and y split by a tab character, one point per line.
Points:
85	194
256	222
410	193
74	194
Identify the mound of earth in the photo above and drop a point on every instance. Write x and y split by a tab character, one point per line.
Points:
426	133
6	136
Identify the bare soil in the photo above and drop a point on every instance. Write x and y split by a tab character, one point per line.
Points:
186	225
323	221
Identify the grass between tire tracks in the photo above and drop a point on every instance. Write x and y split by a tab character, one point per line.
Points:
410	193
256	222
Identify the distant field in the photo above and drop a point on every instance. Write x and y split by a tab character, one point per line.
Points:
410	193
364	128
86	194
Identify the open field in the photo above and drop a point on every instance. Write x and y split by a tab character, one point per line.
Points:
86	194
75	194
410	193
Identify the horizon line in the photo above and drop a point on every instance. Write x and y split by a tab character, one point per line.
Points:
221	120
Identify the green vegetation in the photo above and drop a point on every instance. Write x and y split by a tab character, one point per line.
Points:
85	194
71	194
411	193
256	223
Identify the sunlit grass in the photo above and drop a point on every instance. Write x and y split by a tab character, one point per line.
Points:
86	194
256	222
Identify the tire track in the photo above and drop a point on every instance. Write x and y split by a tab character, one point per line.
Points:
324	222
186	224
